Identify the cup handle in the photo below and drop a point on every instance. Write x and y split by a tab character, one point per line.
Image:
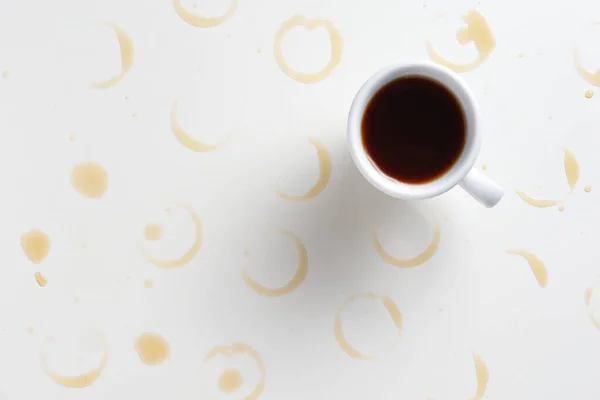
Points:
482	188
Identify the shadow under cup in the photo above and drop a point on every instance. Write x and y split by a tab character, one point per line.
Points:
461	164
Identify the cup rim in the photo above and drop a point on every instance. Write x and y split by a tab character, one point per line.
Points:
461	167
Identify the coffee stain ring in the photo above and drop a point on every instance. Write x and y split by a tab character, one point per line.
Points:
241	348
414	261
126	48
184	138
340	337
200	21
79	381
189	255
324	174
299	276
335	39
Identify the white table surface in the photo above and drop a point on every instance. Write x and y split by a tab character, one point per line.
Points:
471	297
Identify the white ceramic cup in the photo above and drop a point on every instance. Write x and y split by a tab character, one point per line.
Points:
461	173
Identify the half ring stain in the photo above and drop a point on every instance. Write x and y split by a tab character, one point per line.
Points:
414	261
185	139
537	266
391	308
200	21
299	276
324	174
126	46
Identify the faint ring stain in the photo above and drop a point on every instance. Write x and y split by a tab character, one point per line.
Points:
185	139
336	47
241	348
588	298
537	266
189	255
126	46
414	261
324	173
477	31
200	21
571	168
482	376
298	278
391	308
79	381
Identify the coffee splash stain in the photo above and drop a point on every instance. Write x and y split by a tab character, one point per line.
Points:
89	179
241	348
537	266
324	174
571	168
540	203
477	31
39	278
185	139
230	381
335	39
589	94
414	261
189	255
340	337
200	21
592	78
299	276
79	381
126	46
153	232
483	376
152	348
35	245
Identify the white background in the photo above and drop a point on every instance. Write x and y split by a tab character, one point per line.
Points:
470	297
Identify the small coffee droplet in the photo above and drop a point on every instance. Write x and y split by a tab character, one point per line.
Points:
561	208
72	138
230	381
148	284
35	245
31	330
589	94
521	55
89	179
152	348
40	279
484	166
259	50
5	73
76	299
134	115
588	188
246	253
196	5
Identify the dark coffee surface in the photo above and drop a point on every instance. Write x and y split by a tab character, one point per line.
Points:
414	129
